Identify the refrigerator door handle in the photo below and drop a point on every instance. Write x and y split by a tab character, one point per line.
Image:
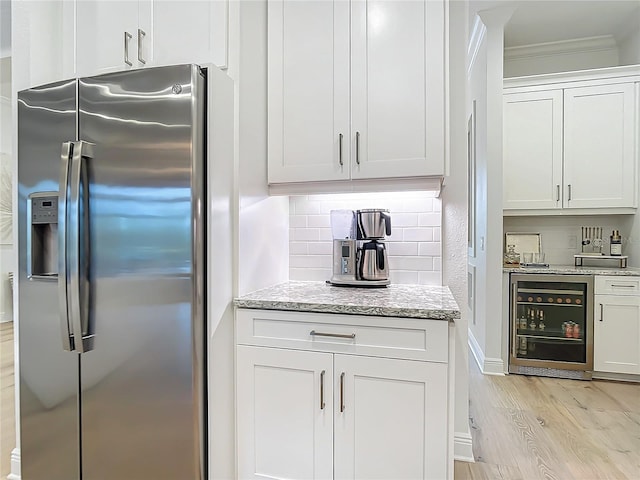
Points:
63	278
78	247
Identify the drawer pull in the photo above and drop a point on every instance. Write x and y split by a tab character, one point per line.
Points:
313	333
616	285
342	392
601	312
322	390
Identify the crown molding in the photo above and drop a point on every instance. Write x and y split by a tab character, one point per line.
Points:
563	47
478	33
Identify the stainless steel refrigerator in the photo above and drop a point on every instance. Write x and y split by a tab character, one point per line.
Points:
112	276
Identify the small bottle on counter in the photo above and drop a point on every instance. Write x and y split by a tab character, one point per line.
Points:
616	244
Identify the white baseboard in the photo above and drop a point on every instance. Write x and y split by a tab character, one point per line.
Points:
15	465
462	447
488	366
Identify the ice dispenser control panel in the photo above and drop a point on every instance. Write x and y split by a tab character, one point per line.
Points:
42	236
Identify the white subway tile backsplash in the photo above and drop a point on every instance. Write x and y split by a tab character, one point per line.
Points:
415	223
402	248
418	234
432	249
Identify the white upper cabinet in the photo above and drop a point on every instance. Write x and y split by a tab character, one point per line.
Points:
308	90
397	89
572	147
106	36
532	150
599	146
192	31
119	35
356	89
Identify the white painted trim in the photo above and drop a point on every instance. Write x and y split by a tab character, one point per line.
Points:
569	211
627	73
463	447
15	465
618	377
349	186
487	366
475	41
562	47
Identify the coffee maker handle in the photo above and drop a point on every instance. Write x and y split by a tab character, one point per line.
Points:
387	223
380	255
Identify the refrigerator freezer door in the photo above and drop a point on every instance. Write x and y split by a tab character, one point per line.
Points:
142	384
49	443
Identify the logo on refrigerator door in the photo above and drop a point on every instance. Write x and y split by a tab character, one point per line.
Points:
177	89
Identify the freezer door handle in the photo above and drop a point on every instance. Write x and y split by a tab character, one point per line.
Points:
78	250
63	278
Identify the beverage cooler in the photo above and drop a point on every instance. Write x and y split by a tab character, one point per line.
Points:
551	325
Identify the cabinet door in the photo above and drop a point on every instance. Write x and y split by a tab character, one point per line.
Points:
616	334
397	88
599	143
532	155
308	90
190	31
283	429
390	419
100	28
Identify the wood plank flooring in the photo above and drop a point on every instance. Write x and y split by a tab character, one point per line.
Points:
523	428
7	399
546	428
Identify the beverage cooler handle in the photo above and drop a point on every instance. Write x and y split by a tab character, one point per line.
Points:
514	319
63	279
78	247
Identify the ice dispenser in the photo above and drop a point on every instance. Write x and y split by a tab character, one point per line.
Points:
42	235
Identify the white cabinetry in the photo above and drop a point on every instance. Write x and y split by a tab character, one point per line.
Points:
616	336
356	89
360	397
119	35
571	147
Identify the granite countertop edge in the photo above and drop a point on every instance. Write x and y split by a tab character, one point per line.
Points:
573	270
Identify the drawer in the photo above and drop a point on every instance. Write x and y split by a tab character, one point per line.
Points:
406	338
617	285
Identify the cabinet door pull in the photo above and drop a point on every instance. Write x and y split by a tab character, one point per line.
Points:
141	35
342	392
322	390
340	149
557	193
313	333
617	285
569	191
127	37
601	312
358	148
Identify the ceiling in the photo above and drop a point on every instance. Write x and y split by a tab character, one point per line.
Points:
541	21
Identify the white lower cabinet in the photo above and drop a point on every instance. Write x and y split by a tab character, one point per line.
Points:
328	414
616	326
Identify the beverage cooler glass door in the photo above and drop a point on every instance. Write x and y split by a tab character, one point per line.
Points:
551	322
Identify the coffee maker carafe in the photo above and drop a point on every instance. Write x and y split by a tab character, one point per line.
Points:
359	251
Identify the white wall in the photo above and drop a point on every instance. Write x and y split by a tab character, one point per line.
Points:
561	235
628	40
414	246
454	222
7	252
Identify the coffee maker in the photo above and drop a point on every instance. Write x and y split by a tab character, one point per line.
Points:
359	252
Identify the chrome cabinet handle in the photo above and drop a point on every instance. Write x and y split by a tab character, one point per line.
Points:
63	280
322	390
313	333
601	312
358	148
342	392
340	149
622	286
514	313
569	191
78	247
141	35
127	37
557	193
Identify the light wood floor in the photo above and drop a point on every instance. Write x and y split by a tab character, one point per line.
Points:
546	428
7	415
523	428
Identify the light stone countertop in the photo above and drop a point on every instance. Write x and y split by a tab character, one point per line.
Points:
414	301
572	270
